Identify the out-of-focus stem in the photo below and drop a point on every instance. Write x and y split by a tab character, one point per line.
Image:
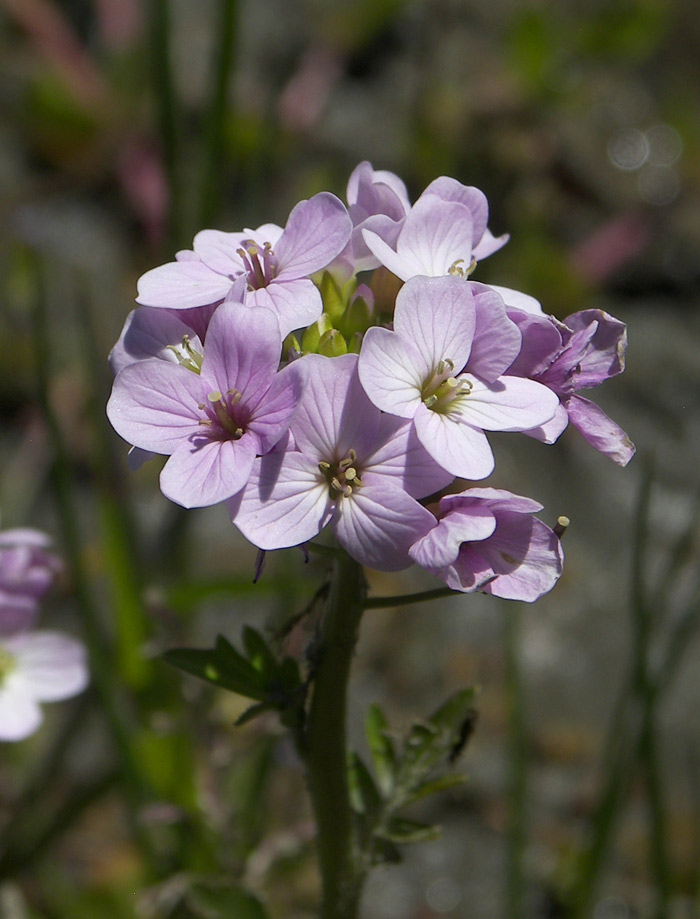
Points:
517	756
325	750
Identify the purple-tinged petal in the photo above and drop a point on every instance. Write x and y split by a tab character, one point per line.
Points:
460	448
285	503
20	716
273	412
378	524
496	499
400	455
525	555
440	547
551	431
605	355
508	404
519	300
488	244
218	251
436	235
438	316
317	231
49	667
386	255
599	430
541	343
392	371
370	193
334	415
150	332
449	189
206	472
24	536
154	404
295	303
497	340
181	285
136	457
242	350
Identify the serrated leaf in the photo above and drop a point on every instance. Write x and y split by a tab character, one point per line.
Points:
432	742
259	653
399	830
229	671
364	796
381	749
224	903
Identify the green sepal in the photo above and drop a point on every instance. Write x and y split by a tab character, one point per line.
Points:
332	344
381	749
332	296
312	334
356	318
355	343
291	343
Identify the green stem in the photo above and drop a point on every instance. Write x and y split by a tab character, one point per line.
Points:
517	793
326	748
404	599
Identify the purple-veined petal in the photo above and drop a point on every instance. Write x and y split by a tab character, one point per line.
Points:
295	303
497	340
49	666
525	555
392	371
519	300
273	412
551	431
435	236
218	251
438	316
378	524
507	404
154	404
181	285
317	231
206	472
440	547
599	430
449	189
242	350
334	415
605	355
398	453
541	343
488	244
400	265
285	503
150	332
495	499
460	448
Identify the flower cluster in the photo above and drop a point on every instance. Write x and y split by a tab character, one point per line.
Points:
35	666
280	372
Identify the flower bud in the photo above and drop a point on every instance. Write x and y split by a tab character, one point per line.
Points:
312	335
332	344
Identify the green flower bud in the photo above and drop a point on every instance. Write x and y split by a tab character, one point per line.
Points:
312	335
332	344
333	299
356	318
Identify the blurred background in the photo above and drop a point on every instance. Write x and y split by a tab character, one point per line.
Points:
126	127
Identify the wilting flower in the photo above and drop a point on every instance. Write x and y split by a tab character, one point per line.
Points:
487	539
36	667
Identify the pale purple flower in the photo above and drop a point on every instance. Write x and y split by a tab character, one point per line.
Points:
215	414
443	367
487	539
266	267
36	667
27	571
347	465
581	352
377	201
171	335
445	232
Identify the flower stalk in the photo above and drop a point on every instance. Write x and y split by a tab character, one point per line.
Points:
325	750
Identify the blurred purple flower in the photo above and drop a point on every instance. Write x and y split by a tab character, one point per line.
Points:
27	571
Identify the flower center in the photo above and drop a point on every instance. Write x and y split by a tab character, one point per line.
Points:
7	664
260	267
457	269
186	355
226	417
443	389
342	476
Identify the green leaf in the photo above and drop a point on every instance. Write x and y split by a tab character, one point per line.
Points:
224	903
259	653
381	749
402	831
433	786
364	796
223	666
258	709
432	742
